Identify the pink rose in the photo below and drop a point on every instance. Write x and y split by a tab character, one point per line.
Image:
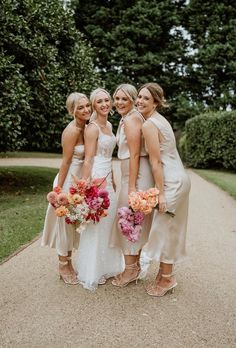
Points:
72	190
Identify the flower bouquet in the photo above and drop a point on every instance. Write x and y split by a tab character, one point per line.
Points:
130	218
145	201
86	201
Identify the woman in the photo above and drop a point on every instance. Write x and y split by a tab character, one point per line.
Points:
95	261
135	175
166	242
57	233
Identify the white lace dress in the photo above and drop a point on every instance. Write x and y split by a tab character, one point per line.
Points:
94	258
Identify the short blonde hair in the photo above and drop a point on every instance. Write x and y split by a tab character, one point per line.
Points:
72	102
129	90
157	93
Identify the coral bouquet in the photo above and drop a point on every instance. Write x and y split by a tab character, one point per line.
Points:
130	218
86	201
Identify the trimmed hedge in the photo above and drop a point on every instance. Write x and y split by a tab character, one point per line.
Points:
210	141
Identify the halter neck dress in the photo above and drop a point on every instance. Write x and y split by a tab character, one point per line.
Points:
56	232
167	236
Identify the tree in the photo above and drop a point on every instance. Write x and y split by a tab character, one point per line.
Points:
44	58
211	65
135	41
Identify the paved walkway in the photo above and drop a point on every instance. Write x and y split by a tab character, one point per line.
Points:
37	310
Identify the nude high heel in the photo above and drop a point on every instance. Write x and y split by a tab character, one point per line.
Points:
159	291
120	282
67	278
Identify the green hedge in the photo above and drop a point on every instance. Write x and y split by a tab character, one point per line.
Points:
209	141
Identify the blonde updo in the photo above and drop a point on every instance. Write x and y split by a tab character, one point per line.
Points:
93	98
157	94
72	102
129	90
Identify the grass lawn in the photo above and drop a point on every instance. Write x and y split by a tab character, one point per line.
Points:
225	180
22	205
22	154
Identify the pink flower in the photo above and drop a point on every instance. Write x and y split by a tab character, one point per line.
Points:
138	218
72	190
62	199
91	192
52	197
103	193
106	203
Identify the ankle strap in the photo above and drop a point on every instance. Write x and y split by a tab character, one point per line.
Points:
63	263
167	275
132	266
69	258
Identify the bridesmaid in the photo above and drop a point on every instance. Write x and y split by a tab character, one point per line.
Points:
166	243
57	233
135	175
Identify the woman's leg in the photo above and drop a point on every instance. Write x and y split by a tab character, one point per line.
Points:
65	271
130	273
164	283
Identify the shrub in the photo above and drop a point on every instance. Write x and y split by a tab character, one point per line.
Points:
211	141
44	58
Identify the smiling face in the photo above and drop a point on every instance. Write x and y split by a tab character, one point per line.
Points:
122	103
145	103
102	103
82	110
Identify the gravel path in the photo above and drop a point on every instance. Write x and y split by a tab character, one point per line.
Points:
37	310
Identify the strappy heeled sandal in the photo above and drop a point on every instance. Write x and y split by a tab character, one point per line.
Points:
120	282
67	278
159	291
153	284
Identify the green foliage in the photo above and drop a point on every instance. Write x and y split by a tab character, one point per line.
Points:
211	67
135	41
43	59
186	46
210	140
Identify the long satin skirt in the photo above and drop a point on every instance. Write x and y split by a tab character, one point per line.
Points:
144	182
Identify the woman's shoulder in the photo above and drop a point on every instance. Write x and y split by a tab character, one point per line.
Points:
92	128
133	116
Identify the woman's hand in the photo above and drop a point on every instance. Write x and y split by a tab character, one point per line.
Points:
162	207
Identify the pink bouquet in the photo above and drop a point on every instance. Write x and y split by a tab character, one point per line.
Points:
130	218
130	223
86	201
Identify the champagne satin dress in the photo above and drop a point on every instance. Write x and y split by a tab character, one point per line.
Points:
167	236
57	233
144	182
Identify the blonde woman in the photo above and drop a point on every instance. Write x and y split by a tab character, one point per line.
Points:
57	233
95	260
135	175
166	243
